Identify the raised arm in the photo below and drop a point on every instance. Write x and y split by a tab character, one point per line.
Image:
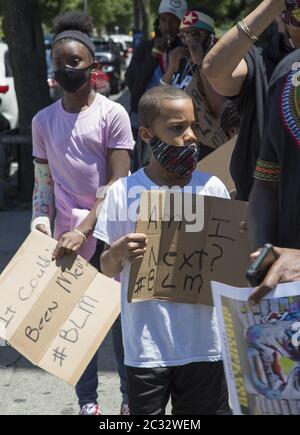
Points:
224	65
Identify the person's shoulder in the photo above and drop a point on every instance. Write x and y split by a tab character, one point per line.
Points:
110	107
121	186
46	111
255	54
118	185
44	115
290	64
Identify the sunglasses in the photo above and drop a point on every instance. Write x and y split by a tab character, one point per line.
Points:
197	34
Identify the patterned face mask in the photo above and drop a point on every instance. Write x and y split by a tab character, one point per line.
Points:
180	160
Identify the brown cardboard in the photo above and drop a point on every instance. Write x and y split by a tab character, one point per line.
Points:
83	332
209	132
40	299
218	163
179	265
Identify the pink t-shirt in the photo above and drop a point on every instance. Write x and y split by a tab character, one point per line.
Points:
75	145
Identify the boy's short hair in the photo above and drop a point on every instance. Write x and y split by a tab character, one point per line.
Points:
150	103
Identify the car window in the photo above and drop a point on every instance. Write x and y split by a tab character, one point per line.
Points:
101	45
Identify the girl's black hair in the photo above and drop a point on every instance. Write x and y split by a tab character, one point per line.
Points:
73	20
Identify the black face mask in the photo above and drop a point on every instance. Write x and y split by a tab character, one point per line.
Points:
71	79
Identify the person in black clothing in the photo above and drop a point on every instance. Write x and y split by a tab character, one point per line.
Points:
230	119
276	191
148	64
237	69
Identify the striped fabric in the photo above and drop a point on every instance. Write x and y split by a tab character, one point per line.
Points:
267	171
180	160
289	105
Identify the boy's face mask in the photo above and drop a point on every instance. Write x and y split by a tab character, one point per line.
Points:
180	160
71	79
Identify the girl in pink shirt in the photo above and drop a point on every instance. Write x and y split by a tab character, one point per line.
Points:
81	144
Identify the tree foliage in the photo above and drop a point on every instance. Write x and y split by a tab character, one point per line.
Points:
106	14
224	11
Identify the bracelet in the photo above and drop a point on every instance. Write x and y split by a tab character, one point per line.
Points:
162	82
246	31
82	235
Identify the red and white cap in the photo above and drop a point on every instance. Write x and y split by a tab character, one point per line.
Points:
198	20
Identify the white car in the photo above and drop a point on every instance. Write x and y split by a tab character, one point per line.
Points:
126	43
8	99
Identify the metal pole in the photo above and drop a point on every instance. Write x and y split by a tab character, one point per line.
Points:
85	7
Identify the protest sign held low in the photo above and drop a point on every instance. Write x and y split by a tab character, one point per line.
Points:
56	314
192	239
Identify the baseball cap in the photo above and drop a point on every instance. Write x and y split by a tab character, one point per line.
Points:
198	20
175	7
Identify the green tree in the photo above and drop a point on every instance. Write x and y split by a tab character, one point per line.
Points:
225	11
106	14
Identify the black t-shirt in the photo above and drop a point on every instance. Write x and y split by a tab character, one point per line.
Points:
279	159
251	104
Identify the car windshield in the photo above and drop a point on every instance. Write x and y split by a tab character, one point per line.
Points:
101	45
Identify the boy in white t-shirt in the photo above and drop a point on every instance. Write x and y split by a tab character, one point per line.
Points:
171	349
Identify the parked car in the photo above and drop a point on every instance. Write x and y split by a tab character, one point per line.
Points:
112	63
8	99
8	120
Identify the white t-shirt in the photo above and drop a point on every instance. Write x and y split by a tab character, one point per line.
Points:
158	333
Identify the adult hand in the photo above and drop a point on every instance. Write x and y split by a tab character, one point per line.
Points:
130	248
285	268
175	57
196	50
68	243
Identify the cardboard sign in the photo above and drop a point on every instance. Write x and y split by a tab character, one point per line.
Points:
218	163
179	262
210	132
56	314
